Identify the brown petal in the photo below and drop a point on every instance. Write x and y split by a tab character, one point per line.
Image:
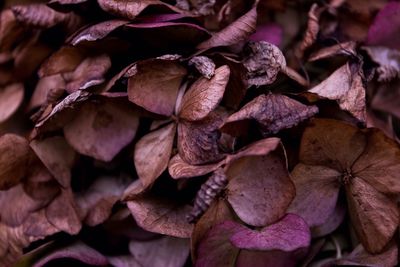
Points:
11	98
178	168
235	32
63	213
263	62
97	31
198	141
346	87
317	190
91	71
204	65
374	216
15	155
57	156
10	30
331	143
43	88
161	215
152	153
204	95
379	164
272	112
155	85
345	48
259	189
65	59
102	128
163	252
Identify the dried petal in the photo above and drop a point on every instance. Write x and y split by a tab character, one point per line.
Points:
259	189
153	152
272	112
268	32
45	87
347	48
388	59
204	95
374	216
11	98
178	168
155	85
346	87
65	59
160	215
102	128
204	65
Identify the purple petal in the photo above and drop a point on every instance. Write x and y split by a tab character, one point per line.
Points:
270	32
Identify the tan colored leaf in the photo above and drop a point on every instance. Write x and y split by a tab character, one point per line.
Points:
374	216
178	168
263	62
155	85
161	215
11	98
90	72
234	33
259	189
388	59
65	59
204	95
198	140
331	143
379	164
346	87
57	156
152	153
102	128
317	190
272	112
15	156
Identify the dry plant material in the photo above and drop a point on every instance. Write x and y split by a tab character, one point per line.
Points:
199	133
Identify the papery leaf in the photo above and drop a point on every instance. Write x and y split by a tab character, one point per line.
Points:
331	143
63	213
204	95
346	48
288	234
360	257
317	190
198	140
15	156
259	148
90	72
388	59
11	97
152	153
263	62
160	215
163	252
57	156
272	112
204	65
259	189
234	33
383	30
379	164
97	31
155	85
65	59
346	87
102	128
374	216
78	251
178	168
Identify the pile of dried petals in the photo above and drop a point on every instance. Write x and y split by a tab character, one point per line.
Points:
171	133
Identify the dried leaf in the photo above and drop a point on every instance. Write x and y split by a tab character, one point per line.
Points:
388	59
155	85
178	168
198	140
272	112
160	215
204	65
152	153
234	33
263	62
45	87
346	87
347	48
163	252
311	32
11	98
204	95
259	189
102	128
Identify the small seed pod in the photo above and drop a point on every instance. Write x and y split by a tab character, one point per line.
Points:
207	193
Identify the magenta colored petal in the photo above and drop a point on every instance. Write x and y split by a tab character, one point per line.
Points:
270	32
167	24
385	30
78	251
288	234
